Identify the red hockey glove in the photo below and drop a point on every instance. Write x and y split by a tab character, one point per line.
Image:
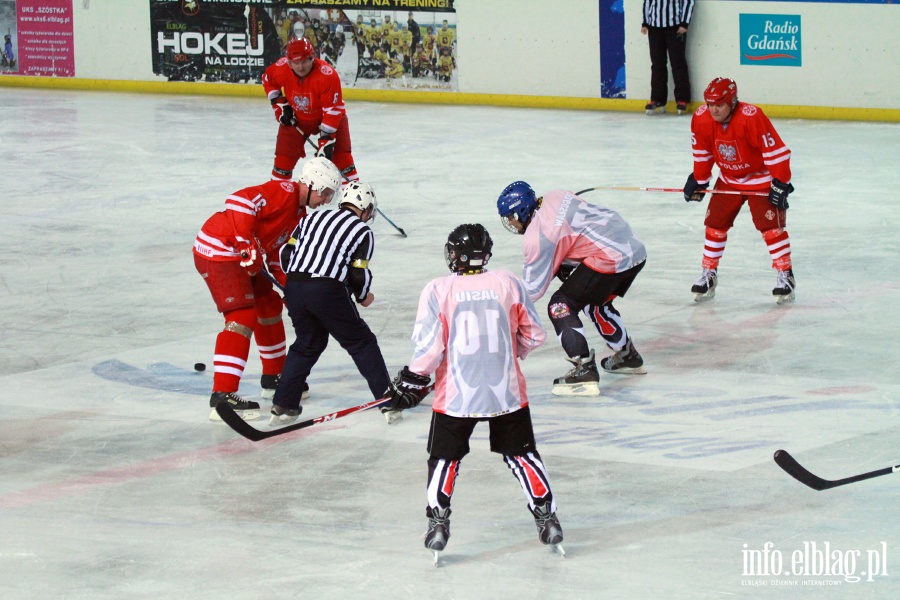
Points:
250	258
326	145
284	112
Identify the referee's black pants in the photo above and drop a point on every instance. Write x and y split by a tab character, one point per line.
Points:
666	41
318	307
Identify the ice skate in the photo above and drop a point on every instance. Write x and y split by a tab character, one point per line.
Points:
438	531
625	361
784	287
549	530
268	383
246	409
281	415
392	416
681	107
705	287
582	380
655	108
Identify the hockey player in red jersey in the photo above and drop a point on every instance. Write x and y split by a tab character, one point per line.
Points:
471	327
230	252
751	157
306	96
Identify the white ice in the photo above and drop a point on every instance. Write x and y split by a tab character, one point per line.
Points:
113	483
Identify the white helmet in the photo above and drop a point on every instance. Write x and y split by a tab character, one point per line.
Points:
299	29
320	174
360	195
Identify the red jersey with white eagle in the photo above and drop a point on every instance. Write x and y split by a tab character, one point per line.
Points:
747	149
266	214
316	99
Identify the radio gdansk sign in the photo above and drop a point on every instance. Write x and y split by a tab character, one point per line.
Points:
772	40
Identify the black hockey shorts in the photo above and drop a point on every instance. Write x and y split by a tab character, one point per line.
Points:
587	286
510	434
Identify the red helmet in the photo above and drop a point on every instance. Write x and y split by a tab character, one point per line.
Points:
721	89
300	49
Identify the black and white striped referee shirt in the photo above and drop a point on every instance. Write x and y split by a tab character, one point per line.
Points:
668	13
334	244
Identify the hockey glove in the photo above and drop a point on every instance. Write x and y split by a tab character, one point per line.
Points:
778	194
326	145
284	112
250	258
693	191
407	390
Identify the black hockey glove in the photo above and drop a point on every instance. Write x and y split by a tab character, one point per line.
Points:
778	194
326	145
407	390
693	191
284	112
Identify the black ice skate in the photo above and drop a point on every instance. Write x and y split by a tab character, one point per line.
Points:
268	383
246	409
784	287
625	361
655	108
582	380
281	415
438	531
681	107
705	287
549	530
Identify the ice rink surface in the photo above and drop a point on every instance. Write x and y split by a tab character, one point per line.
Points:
114	484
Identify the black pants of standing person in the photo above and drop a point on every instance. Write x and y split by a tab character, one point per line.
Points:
666	41
320	307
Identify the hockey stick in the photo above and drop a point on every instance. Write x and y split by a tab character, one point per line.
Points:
233	420
272	279
796	470
659	189
316	148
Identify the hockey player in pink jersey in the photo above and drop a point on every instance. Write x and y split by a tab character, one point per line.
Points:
593	250
470	328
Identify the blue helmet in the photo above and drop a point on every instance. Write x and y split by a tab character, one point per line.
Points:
517	200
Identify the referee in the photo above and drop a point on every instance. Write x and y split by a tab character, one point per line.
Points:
327	266
666	24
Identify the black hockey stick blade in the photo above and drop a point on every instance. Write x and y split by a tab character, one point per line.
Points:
233	420
790	466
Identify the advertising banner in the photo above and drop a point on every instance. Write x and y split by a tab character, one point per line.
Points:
373	44
771	40
37	38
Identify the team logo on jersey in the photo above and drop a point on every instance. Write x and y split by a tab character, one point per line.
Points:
301	103
326	70
559	310
702	109
749	110
770	215
728	151
287	186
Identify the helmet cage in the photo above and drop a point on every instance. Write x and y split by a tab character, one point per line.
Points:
319	174
517	200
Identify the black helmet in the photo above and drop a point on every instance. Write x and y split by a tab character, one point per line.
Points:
468	248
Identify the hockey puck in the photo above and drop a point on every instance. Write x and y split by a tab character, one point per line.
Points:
199	367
